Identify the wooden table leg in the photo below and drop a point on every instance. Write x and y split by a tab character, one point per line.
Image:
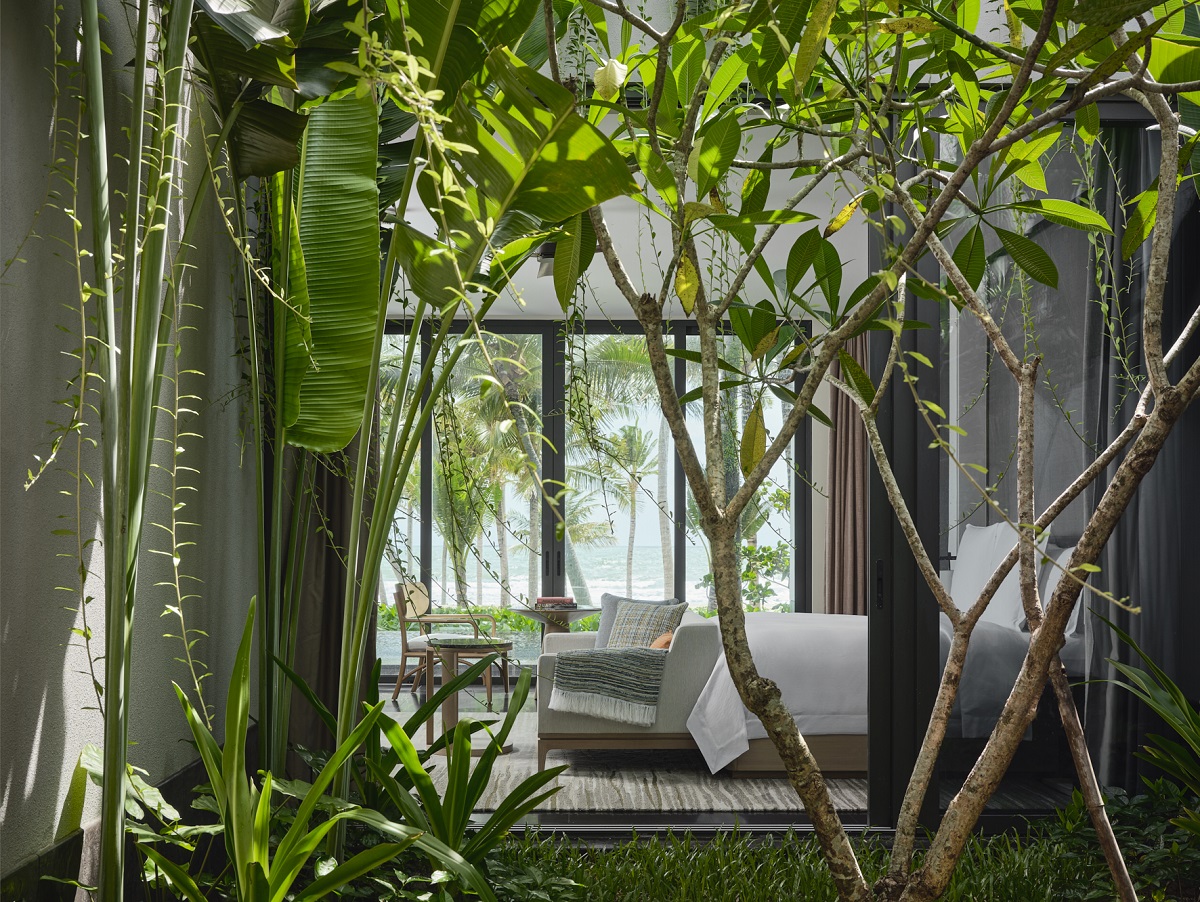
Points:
430	660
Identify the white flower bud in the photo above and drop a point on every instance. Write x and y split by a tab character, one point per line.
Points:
609	79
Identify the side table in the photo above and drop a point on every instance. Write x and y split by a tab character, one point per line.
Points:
449	649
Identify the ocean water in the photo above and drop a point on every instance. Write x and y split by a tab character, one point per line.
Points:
604	569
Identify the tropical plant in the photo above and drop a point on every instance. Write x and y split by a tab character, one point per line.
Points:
1162	696
264	872
911	115
448	817
488	202
133	316
633	455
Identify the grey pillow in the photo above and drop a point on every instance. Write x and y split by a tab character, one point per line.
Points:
608	613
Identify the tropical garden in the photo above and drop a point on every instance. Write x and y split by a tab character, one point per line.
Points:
384	172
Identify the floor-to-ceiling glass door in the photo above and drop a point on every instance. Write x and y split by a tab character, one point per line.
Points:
1085	332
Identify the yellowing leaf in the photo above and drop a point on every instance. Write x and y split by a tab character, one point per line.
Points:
768	341
714	198
812	42
754	440
687	284
908	24
842	218
694	210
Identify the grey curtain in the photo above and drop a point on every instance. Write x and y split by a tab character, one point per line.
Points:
322	602
846	540
1150	556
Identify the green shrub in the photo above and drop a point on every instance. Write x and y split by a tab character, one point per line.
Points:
741	867
1163	858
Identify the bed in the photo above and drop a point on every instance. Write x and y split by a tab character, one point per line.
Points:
819	662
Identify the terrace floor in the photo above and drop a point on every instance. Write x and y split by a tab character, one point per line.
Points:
610	793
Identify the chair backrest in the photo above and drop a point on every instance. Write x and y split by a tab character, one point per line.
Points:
412	600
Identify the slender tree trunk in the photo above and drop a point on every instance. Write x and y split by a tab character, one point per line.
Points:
458	562
502	547
479	568
666	535
579	586
633	506
535	535
445	557
763	698
1088	784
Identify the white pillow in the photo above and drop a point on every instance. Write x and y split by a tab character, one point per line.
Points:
980	551
1052	576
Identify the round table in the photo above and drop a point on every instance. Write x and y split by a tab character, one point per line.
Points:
449	649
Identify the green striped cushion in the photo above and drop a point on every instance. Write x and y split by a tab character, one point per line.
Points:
637	625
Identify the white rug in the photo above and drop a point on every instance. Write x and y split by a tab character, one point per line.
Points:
643	780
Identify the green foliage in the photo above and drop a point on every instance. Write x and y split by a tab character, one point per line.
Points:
764	567
1160	693
266	871
1163	858
326	379
750	868
448	818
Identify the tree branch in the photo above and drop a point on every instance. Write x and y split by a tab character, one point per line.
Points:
551	42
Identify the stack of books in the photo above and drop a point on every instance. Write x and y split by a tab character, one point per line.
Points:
555	603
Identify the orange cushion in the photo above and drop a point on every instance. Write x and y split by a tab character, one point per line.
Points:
663	641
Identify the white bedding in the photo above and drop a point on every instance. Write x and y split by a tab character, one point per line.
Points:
820	663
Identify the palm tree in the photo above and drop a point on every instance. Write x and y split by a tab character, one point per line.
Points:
614	382
634	455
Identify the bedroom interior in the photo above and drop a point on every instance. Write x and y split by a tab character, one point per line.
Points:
811	612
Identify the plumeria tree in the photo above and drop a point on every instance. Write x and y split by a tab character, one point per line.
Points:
922	125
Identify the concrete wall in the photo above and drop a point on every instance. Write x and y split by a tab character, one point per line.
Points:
46	696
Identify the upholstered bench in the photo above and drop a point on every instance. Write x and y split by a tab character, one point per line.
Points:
693	653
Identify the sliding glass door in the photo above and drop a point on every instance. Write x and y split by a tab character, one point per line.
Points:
549	470
1085	333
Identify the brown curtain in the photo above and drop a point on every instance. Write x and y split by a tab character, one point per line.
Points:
846	542
322	599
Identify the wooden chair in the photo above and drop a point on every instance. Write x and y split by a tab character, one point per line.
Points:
412	606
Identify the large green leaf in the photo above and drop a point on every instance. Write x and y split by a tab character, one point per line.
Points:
572	256
339	232
715	151
266	138
534	156
295	313
477	27
1030	256
253	22
1067	213
969	257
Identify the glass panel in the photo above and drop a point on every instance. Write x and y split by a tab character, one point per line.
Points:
979	502
487	469
767	530
620	528
401	559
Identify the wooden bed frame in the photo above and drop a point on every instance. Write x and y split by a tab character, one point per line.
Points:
835	754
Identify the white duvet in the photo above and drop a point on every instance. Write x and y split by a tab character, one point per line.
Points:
819	661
